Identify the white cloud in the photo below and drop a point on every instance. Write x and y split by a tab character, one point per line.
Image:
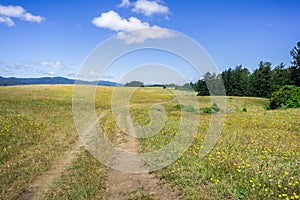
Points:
150	8
141	35
96	75
112	20
7	21
12	11
7	12
31	18
51	73
93	74
56	64
124	3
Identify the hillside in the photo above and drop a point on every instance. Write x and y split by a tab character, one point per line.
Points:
50	80
256	156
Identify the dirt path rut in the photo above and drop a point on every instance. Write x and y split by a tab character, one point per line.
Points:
119	185
123	186
42	182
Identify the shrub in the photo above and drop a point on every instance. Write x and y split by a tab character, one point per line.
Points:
215	108
286	96
189	108
212	109
207	110
178	107
294	102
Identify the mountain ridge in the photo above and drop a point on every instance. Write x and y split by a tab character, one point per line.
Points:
51	80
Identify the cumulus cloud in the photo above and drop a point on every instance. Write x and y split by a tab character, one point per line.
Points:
141	35
113	21
31	18
8	12
150	8
56	64
124	3
7	21
12	11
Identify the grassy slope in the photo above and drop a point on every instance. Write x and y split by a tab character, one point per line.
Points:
36	127
83	180
257	155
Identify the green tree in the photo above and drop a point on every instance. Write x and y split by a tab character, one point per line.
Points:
288	96
236	81
295	68
228	78
201	88
210	84
261	80
280	77
134	84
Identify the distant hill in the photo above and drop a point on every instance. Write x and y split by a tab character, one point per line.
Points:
50	80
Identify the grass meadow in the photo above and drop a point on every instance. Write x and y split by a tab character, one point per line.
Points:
256	156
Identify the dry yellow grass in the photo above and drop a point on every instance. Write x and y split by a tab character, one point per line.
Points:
256	157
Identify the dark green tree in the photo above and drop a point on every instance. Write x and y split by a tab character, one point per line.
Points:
288	96
280	77
210	84
134	84
295	68
261	80
236	81
201	88
228	78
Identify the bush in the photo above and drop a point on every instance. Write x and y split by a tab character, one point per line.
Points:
187	108
212	109
294	102
178	106
215	108
288	96
207	110
267	107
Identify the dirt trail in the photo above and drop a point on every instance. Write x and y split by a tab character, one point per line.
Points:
123	186
119	185
42	182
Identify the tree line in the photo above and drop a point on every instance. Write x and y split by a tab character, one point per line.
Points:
262	82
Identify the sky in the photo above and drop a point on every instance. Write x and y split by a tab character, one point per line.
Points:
54	38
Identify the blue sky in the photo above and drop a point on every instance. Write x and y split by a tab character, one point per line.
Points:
53	38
